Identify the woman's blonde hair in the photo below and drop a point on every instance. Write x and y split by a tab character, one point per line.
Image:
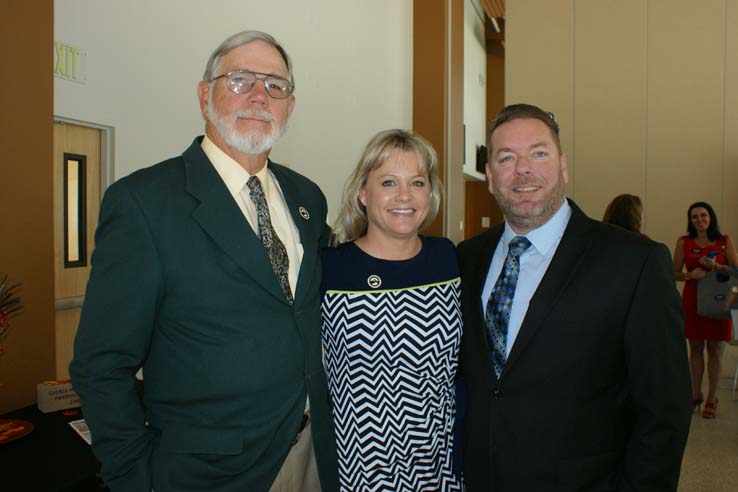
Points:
352	221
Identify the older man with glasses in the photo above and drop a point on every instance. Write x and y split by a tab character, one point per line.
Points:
206	276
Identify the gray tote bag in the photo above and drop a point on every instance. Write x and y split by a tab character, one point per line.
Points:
711	293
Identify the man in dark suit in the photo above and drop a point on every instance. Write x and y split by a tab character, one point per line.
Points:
576	370
206	276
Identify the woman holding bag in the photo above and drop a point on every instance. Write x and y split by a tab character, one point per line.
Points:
703	249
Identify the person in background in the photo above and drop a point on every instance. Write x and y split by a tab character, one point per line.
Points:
392	323
703	249
573	351
625	211
206	275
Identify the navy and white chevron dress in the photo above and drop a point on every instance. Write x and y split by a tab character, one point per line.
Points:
391	336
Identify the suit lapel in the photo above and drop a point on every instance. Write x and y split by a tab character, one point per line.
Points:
477	274
304	219
223	221
563	267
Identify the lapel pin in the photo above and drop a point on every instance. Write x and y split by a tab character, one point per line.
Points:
374	281
304	213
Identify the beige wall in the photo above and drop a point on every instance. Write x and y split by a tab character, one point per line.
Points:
352	62
646	93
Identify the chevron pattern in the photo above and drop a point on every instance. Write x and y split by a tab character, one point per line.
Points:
391	358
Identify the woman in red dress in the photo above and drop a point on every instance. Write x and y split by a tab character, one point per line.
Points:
703	249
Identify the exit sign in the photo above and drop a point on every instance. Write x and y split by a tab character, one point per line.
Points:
70	63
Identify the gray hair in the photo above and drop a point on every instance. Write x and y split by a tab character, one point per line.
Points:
352	221
239	39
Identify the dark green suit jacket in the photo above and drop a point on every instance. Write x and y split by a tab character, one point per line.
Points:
182	287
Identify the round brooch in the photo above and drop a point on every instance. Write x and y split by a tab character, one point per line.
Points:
374	281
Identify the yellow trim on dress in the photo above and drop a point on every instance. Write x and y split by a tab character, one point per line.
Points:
384	291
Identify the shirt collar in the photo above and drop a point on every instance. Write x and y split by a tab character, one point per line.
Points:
547	235
233	175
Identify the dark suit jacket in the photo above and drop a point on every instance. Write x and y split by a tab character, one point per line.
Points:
182	286
595	394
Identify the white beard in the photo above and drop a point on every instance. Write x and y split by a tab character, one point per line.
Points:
253	142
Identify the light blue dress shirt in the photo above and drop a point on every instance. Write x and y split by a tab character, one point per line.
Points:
533	265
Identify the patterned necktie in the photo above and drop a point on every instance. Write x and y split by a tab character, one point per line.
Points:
276	250
497	314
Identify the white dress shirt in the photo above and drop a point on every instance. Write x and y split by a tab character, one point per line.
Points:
533	265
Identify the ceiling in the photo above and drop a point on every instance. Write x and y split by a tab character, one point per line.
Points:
495	20
494	8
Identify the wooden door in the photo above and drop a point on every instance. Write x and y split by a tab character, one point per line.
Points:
480	209
76	208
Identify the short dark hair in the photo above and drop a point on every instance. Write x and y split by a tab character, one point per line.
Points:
713	230
625	211
524	111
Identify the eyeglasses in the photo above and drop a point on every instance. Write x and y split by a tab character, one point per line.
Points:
242	81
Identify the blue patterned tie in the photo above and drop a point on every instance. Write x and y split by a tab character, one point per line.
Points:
269	238
497	314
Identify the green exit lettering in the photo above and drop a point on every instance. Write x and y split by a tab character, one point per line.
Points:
66	61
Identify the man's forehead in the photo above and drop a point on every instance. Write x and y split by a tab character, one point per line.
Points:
523	131
522	125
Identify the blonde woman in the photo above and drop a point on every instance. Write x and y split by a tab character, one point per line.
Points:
392	323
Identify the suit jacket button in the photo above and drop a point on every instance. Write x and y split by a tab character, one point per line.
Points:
497	393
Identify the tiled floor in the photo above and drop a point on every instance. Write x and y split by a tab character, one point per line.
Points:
711	459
